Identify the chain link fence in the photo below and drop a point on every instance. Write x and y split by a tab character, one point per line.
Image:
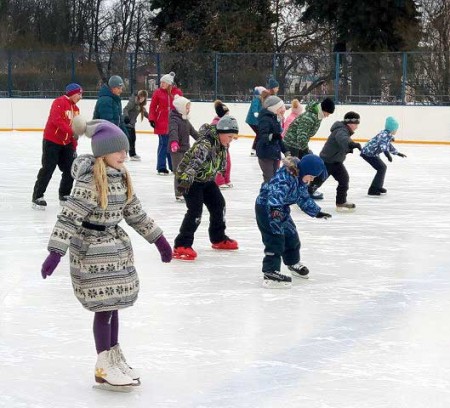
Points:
349	78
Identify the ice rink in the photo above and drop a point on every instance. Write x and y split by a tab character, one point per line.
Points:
369	329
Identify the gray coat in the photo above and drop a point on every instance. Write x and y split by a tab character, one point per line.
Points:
179	131
101	262
337	145
132	111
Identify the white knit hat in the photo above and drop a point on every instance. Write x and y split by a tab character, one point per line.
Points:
180	103
273	103
168	78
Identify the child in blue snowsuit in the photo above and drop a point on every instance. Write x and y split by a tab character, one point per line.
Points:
288	186
371	151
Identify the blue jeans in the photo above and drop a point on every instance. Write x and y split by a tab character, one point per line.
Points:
162	153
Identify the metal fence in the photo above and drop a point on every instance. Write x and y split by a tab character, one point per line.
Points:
350	78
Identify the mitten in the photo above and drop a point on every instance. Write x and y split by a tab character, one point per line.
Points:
323	215
183	186
388	155
50	264
174	147
354	145
401	154
126	120
164	249
152	123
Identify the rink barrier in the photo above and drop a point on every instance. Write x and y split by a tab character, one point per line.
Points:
318	139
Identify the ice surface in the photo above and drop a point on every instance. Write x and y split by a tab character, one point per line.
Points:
369	329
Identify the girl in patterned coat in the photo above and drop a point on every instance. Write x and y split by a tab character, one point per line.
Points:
101	257
279	234
381	143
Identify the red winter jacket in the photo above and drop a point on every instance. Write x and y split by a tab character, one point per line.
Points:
160	107
58	128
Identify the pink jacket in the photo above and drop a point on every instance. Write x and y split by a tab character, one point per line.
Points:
288	122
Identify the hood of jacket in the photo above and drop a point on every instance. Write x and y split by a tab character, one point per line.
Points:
312	107
341	125
83	167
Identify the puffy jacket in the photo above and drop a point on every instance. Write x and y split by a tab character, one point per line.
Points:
253	112
379	144
205	158
109	107
303	128
269	144
132	111
58	127
160	107
180	130
338	144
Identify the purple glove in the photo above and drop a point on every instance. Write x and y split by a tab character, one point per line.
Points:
164	249
50	264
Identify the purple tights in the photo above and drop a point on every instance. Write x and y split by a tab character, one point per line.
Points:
106	330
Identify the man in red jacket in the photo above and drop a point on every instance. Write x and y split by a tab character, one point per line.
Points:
59	146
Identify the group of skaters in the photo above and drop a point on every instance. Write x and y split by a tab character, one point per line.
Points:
102	268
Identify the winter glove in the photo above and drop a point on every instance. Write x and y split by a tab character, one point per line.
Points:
401	154
50	264
126	120
152	123
164	249
183	186
323	215
174	147
354	145
388	155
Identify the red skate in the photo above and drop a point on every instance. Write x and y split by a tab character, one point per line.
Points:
184	254
226	244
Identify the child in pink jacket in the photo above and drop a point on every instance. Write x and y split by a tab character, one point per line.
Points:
296	111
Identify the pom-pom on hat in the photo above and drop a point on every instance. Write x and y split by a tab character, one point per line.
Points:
180	103
105	136
168	78
296	107
351	117
273	103
391	124
258	90
73	89
227	124
115	81
272	83
220	108
312	165
327	105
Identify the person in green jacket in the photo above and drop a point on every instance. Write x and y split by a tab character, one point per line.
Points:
304	128
109	103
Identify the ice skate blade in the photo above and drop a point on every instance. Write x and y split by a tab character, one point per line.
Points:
114	388
270	284
345	210
297	275
183	258
38	207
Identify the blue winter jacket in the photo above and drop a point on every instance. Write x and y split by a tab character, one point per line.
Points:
283	190
109	107
379	144
269	144
253	112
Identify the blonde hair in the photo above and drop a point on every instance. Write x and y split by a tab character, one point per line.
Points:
295	103
101	183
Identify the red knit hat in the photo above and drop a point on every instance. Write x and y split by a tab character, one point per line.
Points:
73	89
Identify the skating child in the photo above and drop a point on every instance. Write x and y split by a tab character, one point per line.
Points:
296	111
223	180
279	234
334	152
180	129
270	144
195	175
101	257
381	143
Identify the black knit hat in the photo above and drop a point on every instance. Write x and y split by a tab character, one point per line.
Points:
220	108
327	105
351	117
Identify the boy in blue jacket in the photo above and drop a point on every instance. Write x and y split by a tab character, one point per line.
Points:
288	186
381	143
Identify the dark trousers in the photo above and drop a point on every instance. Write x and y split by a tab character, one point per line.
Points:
255	129
176	160
380	167
284	246
299	153
202	193
132	139
340	174
54	155
163	156
268	167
